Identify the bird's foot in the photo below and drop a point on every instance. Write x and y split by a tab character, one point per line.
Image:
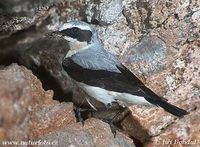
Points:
116	118
112	126
78	115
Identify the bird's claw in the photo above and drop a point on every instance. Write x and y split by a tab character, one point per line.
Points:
112	126
78	115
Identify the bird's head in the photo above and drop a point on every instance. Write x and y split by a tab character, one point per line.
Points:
79	34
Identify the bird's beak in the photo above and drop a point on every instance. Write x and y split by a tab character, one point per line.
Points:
58	33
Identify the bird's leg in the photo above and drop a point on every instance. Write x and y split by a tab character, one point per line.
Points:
112	120
124	110
78	110
78	113
112	127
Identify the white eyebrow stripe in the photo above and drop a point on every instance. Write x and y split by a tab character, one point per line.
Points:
69	25
65	26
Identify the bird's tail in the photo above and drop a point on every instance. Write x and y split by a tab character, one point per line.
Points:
171	108
150	96
162	102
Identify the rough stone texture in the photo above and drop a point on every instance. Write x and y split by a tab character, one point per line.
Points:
45	56
29	114
28	25
183	91
167	54
15	97
50	118
104	12
157	40
149	50
27	110
162	44
21	14
182	133
93	133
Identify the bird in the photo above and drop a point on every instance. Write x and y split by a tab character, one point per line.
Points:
100	73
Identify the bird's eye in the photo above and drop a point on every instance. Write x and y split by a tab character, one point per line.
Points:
75	30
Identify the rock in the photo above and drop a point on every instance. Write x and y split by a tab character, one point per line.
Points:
17	15
44	56
138	15
184	92
93	133
169	80
104	12
26	109
196	17
115	40
180	133
32	39
148	56
30	116
15	97
44	120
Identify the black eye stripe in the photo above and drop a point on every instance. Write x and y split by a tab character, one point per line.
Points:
75	29
70	31
76	33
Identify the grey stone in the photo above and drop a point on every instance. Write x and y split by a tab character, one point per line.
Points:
147	56
105	12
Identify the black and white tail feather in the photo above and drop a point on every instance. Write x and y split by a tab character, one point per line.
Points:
151	97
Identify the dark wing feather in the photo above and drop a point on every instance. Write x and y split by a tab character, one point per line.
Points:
131	77
111	81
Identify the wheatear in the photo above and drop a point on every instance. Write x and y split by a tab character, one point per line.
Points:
101	75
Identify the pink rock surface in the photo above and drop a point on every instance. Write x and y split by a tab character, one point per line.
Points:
93	133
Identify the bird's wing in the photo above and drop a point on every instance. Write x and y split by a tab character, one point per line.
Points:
112	81
148	92
124	82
